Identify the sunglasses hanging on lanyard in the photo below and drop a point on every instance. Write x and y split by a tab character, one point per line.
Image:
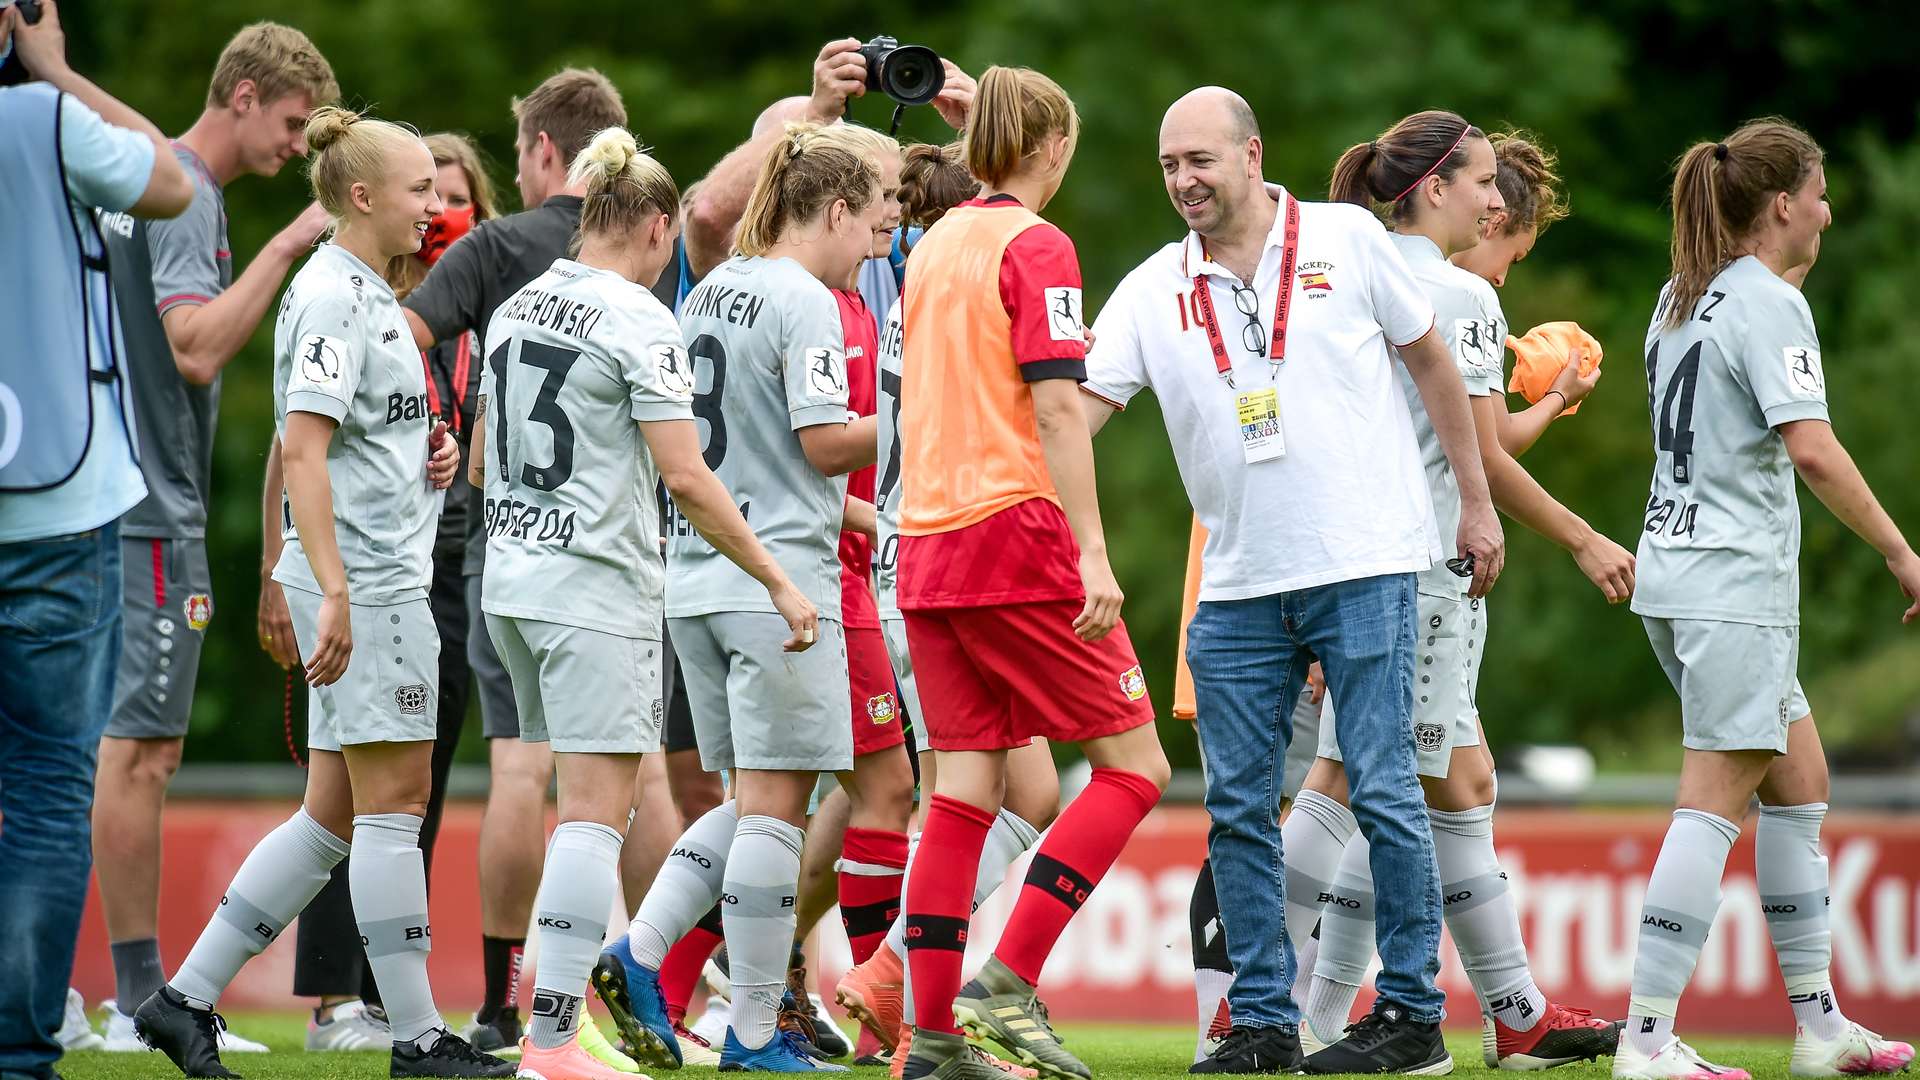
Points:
1261	437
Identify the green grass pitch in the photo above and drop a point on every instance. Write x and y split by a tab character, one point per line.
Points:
1113	1052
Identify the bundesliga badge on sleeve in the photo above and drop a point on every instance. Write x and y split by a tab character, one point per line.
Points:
1260	435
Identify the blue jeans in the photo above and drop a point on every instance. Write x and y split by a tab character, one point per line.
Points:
59	642
1249	661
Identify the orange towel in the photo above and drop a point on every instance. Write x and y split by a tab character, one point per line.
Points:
1183	707
1541	356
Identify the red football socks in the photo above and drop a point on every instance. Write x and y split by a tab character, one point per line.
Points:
873	864
939	904
680	969
1073	858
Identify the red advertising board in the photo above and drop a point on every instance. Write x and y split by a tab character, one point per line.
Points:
1579	877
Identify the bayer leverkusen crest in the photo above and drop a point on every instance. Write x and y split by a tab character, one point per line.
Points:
881	709
198	609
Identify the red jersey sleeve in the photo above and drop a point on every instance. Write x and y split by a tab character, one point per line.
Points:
1040	286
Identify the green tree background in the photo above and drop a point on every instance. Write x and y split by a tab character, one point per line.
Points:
1620	89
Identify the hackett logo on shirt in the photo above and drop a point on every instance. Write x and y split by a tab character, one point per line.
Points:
1314	282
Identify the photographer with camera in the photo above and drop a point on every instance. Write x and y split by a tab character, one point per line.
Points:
844	70
68	470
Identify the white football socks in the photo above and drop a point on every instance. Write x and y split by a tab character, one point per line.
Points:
1312	839
1346	942
1480	914
686	887
388	880
1792	872
570	920
1683	895
283	872
757	910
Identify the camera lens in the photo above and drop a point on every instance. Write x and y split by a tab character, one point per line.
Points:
912	75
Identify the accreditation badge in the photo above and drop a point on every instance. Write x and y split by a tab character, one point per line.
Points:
1260	435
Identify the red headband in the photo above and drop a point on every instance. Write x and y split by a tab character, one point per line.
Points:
1436	165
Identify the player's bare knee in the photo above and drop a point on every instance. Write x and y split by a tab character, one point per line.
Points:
143	765
1327	777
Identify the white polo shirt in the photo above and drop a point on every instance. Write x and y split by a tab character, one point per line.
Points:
1349	499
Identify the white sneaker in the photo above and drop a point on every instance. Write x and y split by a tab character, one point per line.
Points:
76	1033
121	1038
712	1025
1857	1052
350	1025
695	1050
1675	1061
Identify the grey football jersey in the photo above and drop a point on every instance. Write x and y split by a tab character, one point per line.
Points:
886	492
575	360
768	359
162	265
1467	314
341	348
1721	537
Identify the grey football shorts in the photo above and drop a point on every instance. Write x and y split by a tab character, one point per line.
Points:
499	717
166	604
1736	681
390	690
582	691
895	631
756	707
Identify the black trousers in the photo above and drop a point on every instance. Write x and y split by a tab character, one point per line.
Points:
329	960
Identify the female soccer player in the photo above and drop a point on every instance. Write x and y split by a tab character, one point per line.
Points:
1739	405
1437	176
933	179
765	338
1012	612
591	395
1529	188
360	462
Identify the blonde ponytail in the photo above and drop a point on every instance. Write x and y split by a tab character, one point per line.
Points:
804	173
1014	111
349	149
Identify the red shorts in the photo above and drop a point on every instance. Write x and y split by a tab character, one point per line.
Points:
991	678
876	707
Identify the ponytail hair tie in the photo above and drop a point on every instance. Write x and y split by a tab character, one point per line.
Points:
1719	151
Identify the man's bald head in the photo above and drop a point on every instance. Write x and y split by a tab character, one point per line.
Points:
784	111
1210	157
1215	107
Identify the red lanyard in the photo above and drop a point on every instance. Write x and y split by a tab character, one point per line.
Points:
462	364
1283	306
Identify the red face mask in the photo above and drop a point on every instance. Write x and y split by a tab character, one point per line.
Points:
446	227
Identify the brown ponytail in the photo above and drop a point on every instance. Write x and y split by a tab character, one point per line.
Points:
804	173
1528	184
1386	171
933	180
1719	191
1014	110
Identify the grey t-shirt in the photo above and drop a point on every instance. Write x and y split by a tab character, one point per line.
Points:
886	490
479	273
1467	314
341	349
161	265
1721	536
581	356
769	358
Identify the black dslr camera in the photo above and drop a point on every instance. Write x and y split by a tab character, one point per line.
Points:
909	74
